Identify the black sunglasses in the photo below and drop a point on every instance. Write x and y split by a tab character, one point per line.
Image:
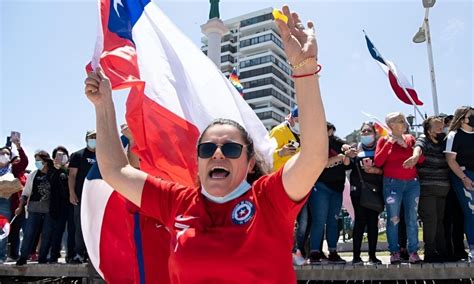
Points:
230	150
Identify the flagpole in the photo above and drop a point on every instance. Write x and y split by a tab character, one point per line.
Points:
396	77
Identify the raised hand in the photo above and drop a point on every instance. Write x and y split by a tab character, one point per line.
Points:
299	42
97	87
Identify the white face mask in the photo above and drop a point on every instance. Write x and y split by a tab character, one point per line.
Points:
64	160
4	159
295	128
243	187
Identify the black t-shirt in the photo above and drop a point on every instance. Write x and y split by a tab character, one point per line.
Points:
461	143
434	171
334	177
83	161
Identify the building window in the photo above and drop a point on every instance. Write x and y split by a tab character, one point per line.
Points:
260	39
226	58
270	114
267	93
255	20
228	47
265	59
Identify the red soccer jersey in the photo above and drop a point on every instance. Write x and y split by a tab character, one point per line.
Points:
246	240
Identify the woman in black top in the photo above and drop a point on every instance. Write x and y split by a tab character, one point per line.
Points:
42	186
373	175
460	157
434	183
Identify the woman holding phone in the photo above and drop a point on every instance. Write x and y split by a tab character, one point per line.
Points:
363	164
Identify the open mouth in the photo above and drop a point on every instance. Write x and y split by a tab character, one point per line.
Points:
219	173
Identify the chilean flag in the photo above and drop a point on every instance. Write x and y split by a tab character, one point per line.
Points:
175	91
123	246
397	85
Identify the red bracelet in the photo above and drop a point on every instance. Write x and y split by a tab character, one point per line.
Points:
307	75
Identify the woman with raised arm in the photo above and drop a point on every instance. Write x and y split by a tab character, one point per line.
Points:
227	230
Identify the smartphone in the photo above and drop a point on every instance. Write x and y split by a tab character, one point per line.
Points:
15	136
294	144
9	142
367	162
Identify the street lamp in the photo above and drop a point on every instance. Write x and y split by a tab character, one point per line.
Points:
423	35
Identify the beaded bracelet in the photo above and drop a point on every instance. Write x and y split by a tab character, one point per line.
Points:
307	75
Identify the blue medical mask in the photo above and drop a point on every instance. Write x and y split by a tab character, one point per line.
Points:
39	165
91	143
367	140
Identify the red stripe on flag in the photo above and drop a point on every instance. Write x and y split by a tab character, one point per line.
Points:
118	258
400	93
165	142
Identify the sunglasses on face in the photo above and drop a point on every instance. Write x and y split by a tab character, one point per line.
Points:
367	131
230	150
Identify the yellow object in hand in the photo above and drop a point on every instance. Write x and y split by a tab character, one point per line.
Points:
279	15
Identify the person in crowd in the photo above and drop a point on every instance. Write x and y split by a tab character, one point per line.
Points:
460	157
394	155
434	187
326	200
230	218
453	218
365	217
5	169
41	187
287	136
79	165
19	165
63	209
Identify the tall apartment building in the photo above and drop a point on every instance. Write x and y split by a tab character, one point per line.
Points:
254	46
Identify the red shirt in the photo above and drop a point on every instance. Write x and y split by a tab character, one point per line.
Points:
246	240
390	157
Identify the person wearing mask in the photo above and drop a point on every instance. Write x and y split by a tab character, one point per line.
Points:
79	165
41	187
460	157
326	200
365	217
434	187
394	155
453	218
19	165
287	137
62	211
238	220
5	210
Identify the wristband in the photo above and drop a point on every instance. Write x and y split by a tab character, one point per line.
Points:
307	75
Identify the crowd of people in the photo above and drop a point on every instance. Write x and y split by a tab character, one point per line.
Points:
430	176
48	204
426	179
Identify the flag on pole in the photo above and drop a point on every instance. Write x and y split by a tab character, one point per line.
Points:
398	86
234	79
175	91
381	129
